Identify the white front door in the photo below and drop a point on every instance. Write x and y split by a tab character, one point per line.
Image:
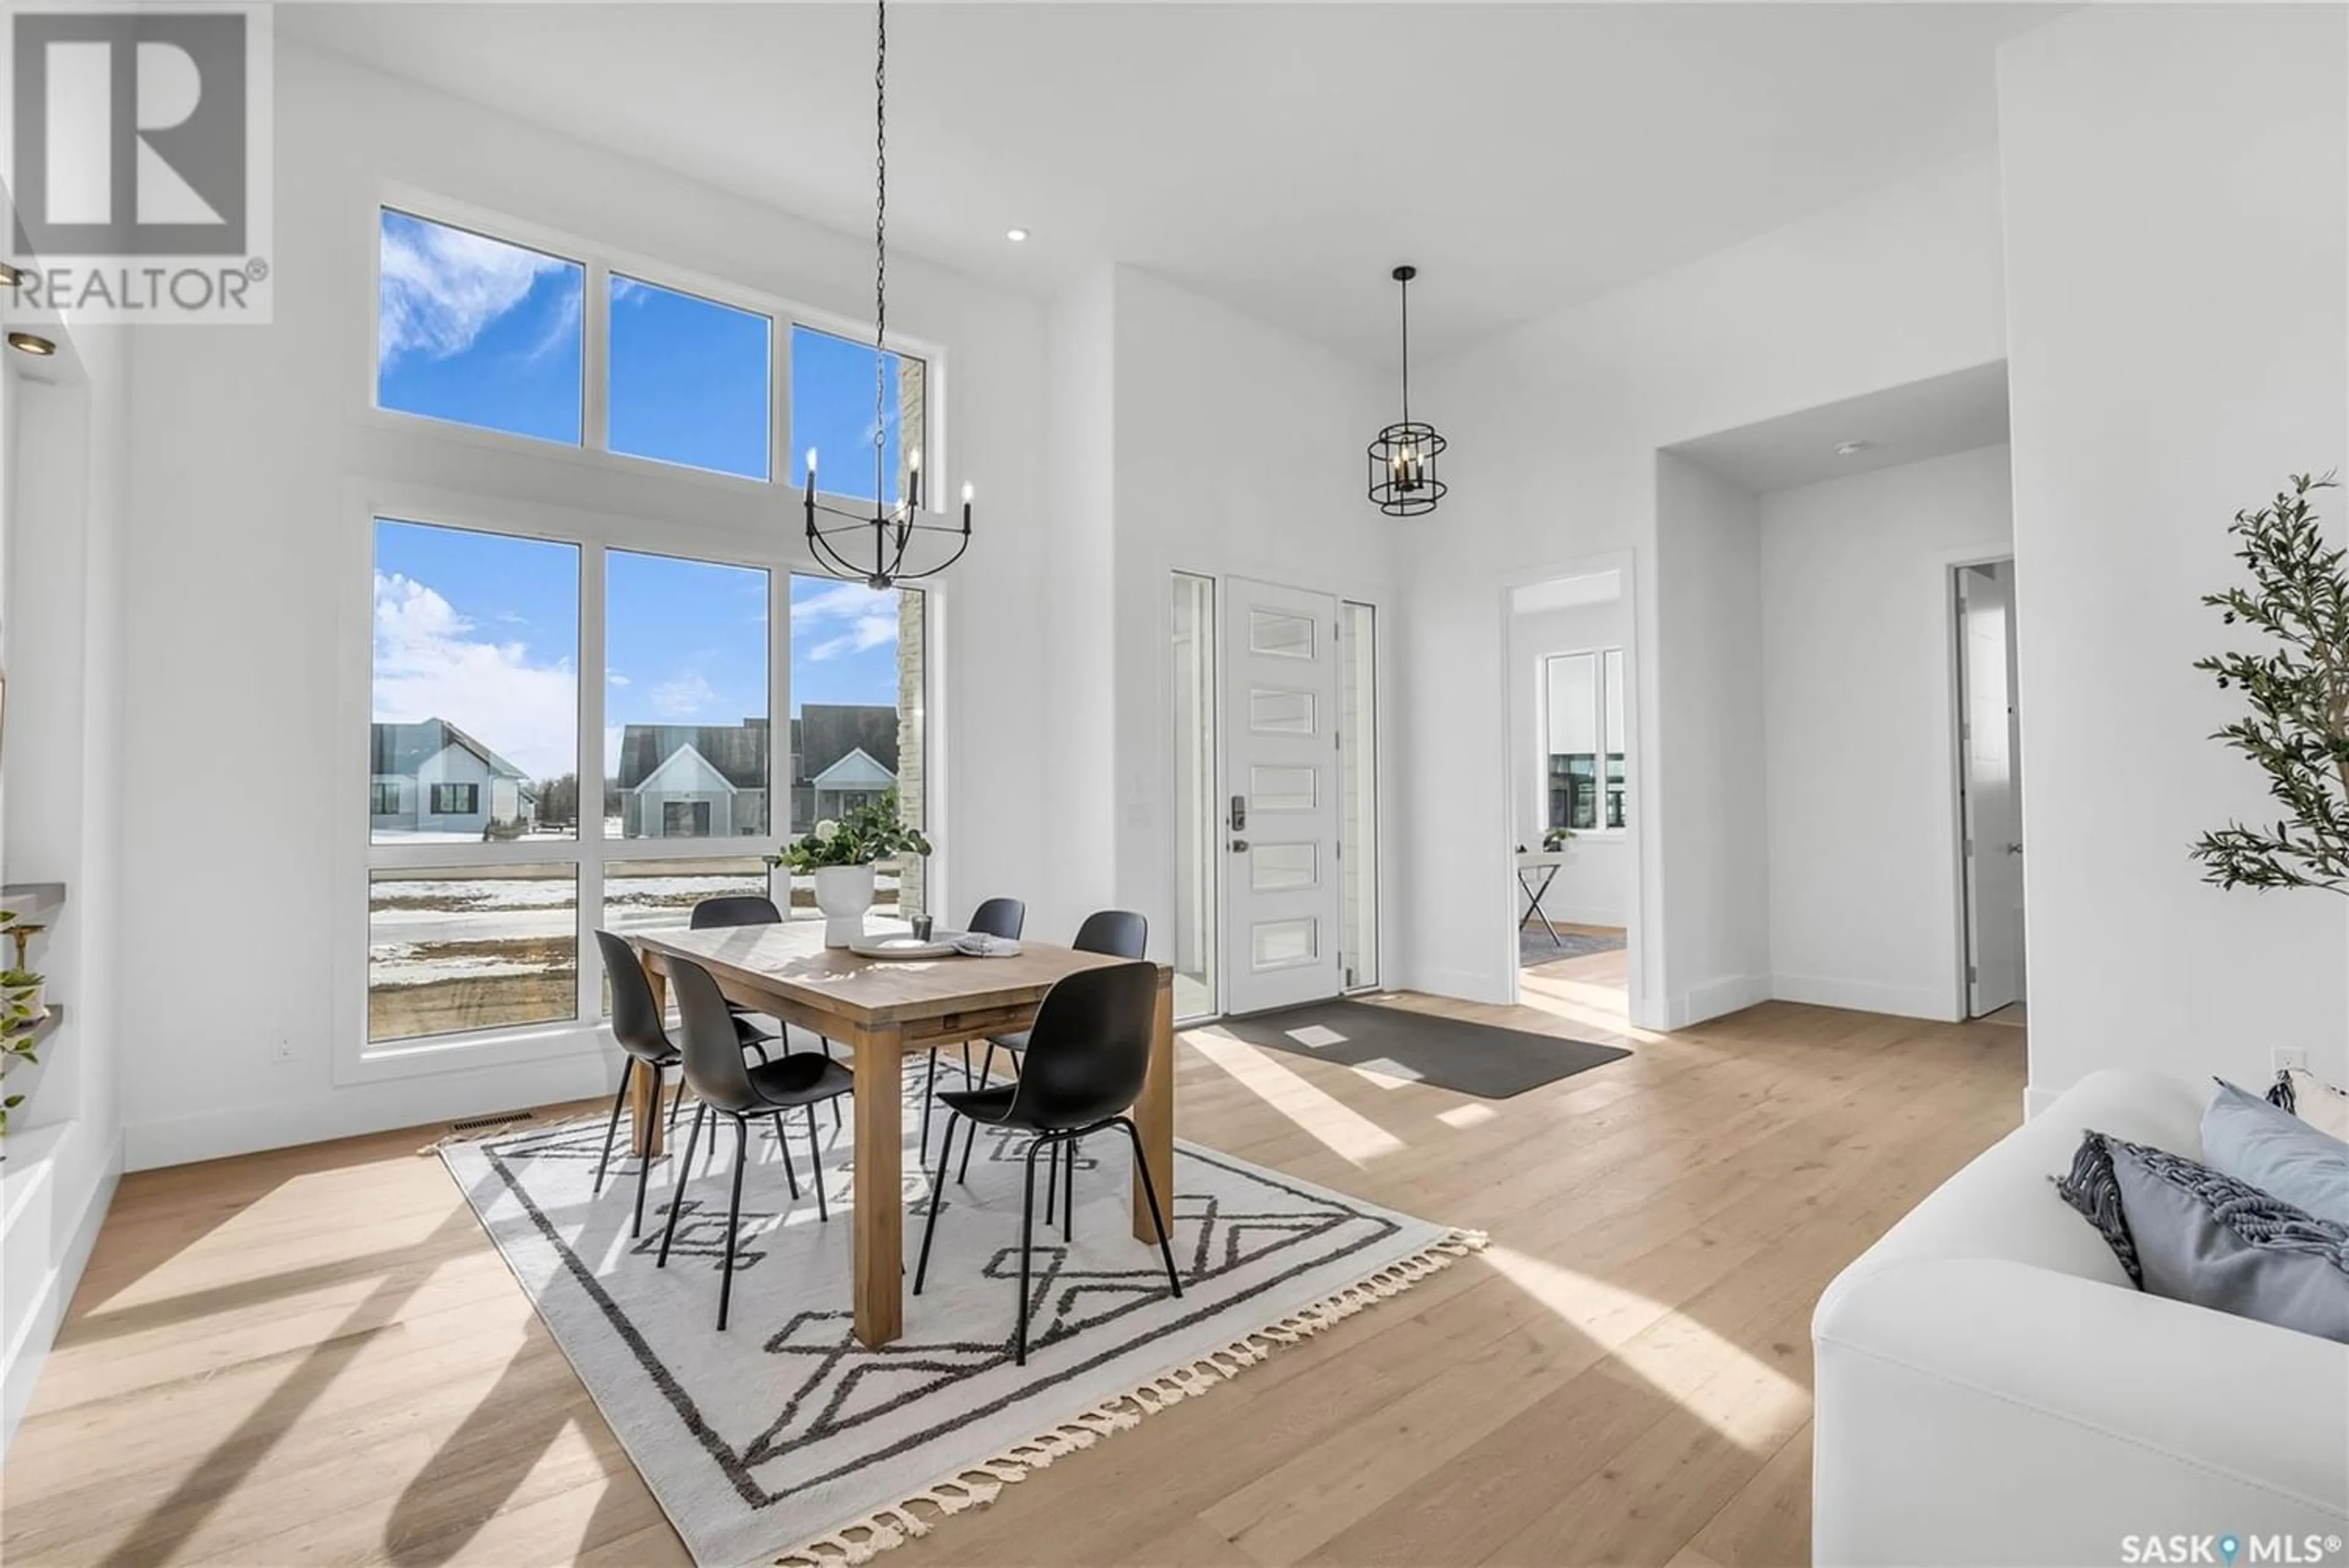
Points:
1994	805
1280	797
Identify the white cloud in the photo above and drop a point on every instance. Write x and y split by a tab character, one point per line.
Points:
615	678
429	664
683	696
865	618
442	287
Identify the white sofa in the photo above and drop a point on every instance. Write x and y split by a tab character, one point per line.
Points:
1993	1390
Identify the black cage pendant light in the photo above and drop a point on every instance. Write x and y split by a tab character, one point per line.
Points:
1403	460
888	544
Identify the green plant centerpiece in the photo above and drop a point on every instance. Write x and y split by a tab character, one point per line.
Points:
840	854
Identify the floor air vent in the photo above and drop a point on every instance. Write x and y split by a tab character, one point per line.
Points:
475	1123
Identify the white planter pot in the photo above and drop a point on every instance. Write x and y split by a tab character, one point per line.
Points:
843	893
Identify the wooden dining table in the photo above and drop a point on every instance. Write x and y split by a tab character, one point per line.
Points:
886	1009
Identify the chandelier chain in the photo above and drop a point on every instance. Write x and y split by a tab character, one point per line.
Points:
1406	350
880	239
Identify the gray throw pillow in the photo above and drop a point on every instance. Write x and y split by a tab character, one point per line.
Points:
2275	1151
2188	1233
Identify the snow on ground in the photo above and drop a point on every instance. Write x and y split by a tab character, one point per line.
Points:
414	925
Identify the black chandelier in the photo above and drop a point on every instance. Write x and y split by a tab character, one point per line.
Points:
871	548
1403	460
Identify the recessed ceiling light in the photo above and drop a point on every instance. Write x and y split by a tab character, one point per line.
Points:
1850	448
1016	236
31	343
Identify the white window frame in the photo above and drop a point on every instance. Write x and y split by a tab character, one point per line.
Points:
698	513
1598	657
600	261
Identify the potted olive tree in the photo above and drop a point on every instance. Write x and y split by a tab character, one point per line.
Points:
2296	688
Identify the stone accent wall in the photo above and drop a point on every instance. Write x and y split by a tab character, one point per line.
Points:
912	891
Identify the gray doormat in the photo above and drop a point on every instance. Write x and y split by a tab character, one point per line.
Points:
1479	1059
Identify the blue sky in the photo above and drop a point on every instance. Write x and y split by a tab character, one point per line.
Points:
482	629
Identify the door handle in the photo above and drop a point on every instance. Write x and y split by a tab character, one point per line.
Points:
2014	849
1239	846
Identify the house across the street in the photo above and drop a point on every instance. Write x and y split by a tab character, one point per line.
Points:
433	778
709	780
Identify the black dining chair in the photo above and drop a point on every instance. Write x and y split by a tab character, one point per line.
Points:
1120	933
1086	1056
637	1025
732	909
1004	917
721	1082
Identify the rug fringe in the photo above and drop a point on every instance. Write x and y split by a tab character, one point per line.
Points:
976	1485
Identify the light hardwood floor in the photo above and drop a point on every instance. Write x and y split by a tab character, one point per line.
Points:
314	1356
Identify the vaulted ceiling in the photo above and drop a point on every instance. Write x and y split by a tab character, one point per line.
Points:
1280	158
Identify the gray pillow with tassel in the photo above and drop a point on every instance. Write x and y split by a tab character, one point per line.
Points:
2192	1234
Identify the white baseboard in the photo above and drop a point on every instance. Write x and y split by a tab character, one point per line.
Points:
1715	999
1465	984
1866	996
357	1109
51	1293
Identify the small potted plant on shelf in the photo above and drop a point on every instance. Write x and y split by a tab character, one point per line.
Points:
840	854
1553	841
16	1048
22	990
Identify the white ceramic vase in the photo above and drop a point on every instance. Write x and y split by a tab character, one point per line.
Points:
843	893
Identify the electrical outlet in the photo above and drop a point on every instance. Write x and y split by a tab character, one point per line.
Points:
2291	1059
283	1051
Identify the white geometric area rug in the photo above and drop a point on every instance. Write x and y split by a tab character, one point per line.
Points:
785	1440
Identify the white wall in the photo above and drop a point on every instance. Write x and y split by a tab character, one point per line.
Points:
1556	429
1715	797
246	592
1236	443
1593	888
1859	730
2178	252
65	505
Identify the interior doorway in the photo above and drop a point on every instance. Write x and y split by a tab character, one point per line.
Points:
1571	796
1990	791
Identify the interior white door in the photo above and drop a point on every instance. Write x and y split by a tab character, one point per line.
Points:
1994	806
1281	883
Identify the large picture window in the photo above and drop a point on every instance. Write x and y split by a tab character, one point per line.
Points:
513	808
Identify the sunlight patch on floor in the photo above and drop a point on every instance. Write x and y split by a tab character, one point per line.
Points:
1728	1387
1473	1114
1345	1131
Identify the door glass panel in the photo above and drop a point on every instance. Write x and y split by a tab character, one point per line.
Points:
1198	841
1273	868
454	949
1281	635
1280	944
1284	789
1358	728
1272	711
